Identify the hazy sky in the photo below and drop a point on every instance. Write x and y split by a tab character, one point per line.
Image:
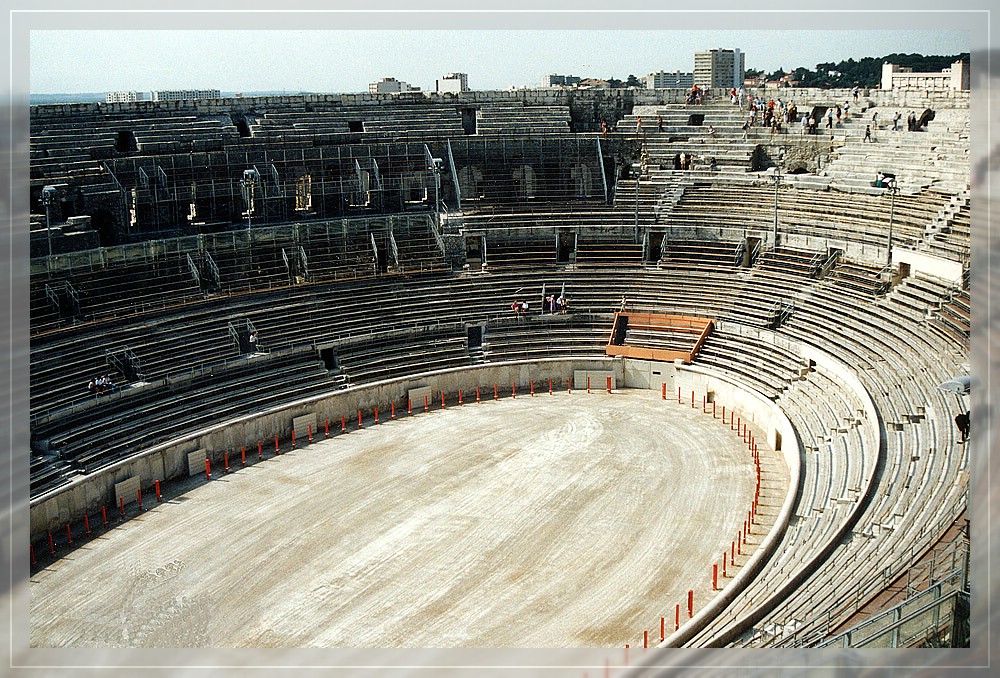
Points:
64	61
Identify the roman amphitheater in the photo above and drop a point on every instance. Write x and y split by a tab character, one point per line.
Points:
329	428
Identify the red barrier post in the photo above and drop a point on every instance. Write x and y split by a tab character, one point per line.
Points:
645	640
409	407
52	546
745	530
713	409
208	470
588	384
293	438
692	400
739	423
121	505
513	390
478	395
460	397
532	388
361	424
677	617
138	497
724	556
663	622
739	544
715	577
326	424
310	433
86	523
442	400
276	449
690	604
427	403
704	403
225	460
156	488
343	423
723	414
678	395
732	552
243	456
104	515
69	534
260	449
550	387
376	414
392	408
664	385
496	393
569	385
609	385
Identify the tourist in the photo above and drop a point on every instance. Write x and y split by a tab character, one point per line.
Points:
659	123
895	120
868	134
638	125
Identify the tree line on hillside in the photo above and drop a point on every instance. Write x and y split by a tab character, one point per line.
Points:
866	72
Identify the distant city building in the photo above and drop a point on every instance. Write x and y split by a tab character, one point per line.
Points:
719	68
124	97
452	82
664	80
553	80
391	86
901	77
594	83
181	94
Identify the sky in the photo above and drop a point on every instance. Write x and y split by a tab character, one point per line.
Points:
72	61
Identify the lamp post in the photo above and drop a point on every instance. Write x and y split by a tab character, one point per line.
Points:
48	197
893	189
777	180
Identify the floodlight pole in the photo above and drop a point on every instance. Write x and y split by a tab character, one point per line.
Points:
48	196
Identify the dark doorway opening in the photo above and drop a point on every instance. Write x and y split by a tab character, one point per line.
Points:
468	120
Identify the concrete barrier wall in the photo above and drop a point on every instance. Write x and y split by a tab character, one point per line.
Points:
168	460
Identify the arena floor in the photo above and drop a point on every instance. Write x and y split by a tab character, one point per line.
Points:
573	520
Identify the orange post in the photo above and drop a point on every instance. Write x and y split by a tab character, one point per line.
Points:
459	397
208	469
276	450
69	534
427	404
690	604
550	387
496	392
692	399
310	429
713	409
478	398
732	552
409	407
326	423
442	400
293	438
724	555
704	403
677	617
678	395
156	487
52	546
609	385
588	384
121	505
664	385
513	390
739	544
663	627
376	414
715	576
645	640
225	460
361	423
532	388
569	385
243	456
392	413
260	449
138	496
86	523
104	515
343	424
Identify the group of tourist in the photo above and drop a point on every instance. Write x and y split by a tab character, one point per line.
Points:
553	304
102	384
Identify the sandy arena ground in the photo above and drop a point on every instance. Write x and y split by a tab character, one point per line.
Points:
572	520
